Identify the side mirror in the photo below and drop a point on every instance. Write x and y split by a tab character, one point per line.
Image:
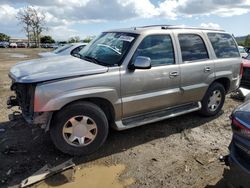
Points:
141	62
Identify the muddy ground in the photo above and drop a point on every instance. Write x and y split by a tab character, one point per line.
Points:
179	152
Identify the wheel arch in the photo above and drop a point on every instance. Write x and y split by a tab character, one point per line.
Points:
105	105
223	81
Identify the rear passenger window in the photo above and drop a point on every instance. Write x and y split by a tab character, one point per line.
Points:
192	47
224	45
158	48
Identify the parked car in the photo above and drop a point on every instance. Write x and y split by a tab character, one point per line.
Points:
46	45
245	81
13	45
243	52
4	44
239	158
68	49
21	45
123	79
247	49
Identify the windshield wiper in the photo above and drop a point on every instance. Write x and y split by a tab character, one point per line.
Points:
93	60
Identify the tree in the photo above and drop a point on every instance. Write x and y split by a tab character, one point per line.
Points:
24	18
33	21
4	37
38	24
247	41
88	39
47	39
74	39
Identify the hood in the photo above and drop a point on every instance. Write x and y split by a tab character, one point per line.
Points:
46	54
51	68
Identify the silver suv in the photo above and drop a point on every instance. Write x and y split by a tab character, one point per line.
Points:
126	78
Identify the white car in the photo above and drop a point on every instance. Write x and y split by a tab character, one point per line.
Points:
243	52
13	45
68	49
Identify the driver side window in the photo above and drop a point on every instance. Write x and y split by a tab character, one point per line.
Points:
159	48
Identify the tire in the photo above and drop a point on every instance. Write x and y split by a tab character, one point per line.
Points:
79	129
211	96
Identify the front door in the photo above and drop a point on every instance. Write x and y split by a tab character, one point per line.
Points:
152	89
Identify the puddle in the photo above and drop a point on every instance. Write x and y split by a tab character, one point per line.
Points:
91	177
16	55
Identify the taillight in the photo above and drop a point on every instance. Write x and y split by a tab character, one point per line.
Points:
240	127
241	69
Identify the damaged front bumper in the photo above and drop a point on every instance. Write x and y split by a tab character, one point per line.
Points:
24	100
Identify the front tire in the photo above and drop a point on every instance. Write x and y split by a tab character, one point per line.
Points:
79	129
213	100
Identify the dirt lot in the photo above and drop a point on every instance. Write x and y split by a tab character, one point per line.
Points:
179	152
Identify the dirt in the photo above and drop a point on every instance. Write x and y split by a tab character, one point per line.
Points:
179	152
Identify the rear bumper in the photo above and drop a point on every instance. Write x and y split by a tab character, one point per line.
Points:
235	84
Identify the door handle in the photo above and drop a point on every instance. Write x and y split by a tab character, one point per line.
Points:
173	74
207	69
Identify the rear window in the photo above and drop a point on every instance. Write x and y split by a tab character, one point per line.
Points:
192	47
224	45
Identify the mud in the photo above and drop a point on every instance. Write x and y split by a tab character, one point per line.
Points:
94	176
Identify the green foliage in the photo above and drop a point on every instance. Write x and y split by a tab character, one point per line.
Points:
241	43
47	39
247	41
4	37
74	39
87	39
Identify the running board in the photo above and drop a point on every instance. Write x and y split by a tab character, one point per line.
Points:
156	116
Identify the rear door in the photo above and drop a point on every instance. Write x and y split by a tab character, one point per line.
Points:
196	66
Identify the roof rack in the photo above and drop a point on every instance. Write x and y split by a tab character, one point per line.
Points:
180	27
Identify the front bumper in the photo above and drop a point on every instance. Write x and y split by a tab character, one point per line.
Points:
35	118
239	175
245	80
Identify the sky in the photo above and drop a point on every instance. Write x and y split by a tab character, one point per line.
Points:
69	18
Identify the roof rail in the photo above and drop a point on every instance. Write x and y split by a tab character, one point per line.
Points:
180	27
188	27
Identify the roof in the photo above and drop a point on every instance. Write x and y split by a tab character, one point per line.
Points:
141	29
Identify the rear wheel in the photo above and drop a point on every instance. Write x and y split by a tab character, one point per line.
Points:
213	100
79	129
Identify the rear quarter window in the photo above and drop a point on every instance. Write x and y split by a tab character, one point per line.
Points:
224	45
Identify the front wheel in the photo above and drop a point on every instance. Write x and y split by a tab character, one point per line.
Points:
79	129
213	100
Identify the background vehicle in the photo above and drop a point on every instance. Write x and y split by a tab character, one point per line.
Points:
4	44
126	78
247	49
245	80
239	158
68	49
243	53
21	45
13	45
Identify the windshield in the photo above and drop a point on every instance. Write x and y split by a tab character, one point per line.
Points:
62	48
109	48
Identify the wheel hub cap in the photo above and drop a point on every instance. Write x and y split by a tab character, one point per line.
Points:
214	100
79	131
